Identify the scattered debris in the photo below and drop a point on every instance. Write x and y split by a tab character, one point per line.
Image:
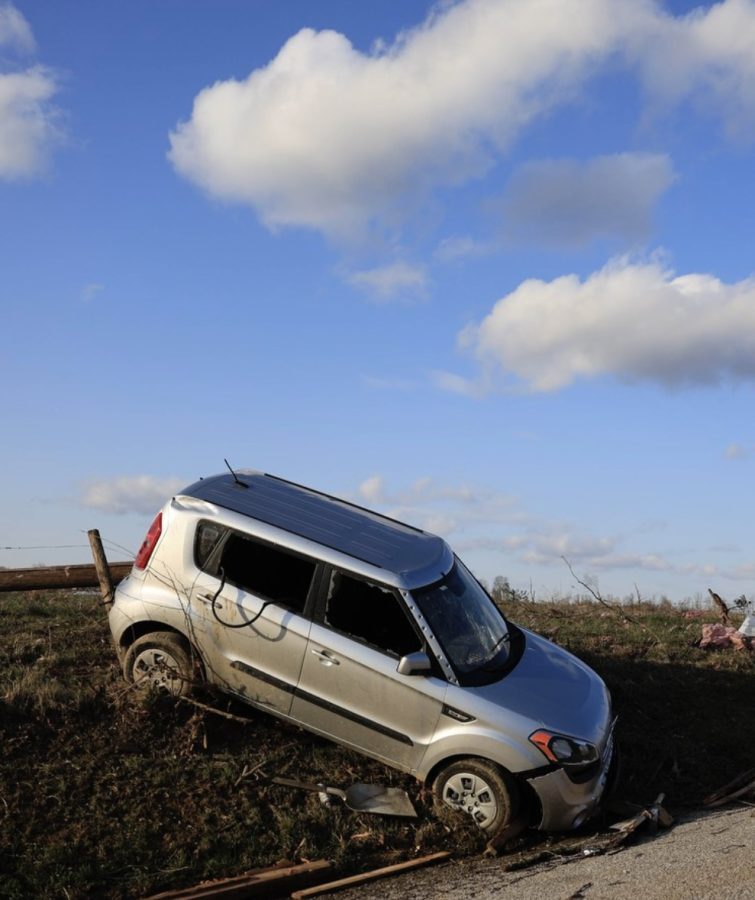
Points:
723	636
742	787
354	880
369	798
576	847
273	881
655	815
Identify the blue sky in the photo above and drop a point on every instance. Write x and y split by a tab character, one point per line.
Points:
484	265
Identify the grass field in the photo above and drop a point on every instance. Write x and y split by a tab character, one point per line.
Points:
109	793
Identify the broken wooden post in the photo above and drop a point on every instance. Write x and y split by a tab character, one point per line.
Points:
101	566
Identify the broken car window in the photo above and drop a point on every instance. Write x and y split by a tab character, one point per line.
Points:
370	613
266	571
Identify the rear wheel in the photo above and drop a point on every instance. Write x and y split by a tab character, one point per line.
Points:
160	661
480	789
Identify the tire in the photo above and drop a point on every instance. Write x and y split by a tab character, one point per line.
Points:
161	661
480	789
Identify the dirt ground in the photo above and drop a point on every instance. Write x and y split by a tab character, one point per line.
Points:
704	856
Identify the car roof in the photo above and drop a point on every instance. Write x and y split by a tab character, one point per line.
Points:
329	521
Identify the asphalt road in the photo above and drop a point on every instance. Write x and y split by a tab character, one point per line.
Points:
704	856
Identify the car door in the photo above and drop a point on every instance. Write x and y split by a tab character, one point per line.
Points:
252	595
350	689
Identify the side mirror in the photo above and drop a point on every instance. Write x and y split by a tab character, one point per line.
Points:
417	663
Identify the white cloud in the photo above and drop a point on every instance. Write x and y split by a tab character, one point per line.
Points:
441	508
458	384
327	137
637	322
480	520
550	544
707	56
389	281
28	128
453	249
15	31
143	494
570	202
371	489
28	121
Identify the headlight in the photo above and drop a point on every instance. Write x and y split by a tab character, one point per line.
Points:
566	751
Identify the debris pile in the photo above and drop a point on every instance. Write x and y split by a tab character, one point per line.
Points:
724	636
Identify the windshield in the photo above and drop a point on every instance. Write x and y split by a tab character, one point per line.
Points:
469	628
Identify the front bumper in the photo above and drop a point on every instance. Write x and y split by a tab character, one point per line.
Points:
566	803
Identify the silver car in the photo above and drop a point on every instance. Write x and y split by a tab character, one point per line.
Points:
371	633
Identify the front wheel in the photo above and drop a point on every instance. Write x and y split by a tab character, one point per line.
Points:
160	661
480	789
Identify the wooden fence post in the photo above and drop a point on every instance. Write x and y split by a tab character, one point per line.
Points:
100	564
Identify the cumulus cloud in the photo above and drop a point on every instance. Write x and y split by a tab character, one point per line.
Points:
328	137
635	321
143	494
568	202
389	281
28	121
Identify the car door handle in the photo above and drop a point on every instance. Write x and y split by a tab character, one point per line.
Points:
207	598
326	658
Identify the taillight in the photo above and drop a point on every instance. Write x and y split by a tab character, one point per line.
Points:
149	542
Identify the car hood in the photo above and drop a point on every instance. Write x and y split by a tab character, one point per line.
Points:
555	690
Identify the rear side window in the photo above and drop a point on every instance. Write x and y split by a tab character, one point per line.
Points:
265	570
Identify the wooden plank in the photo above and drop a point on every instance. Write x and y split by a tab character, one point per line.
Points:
57	577
343	883
273	881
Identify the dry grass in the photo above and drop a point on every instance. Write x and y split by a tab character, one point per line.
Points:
108	793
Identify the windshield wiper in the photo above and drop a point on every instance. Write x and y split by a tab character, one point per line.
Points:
504	637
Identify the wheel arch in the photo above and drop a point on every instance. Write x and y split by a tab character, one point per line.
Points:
149	626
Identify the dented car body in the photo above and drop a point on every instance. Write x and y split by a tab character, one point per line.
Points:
369	632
